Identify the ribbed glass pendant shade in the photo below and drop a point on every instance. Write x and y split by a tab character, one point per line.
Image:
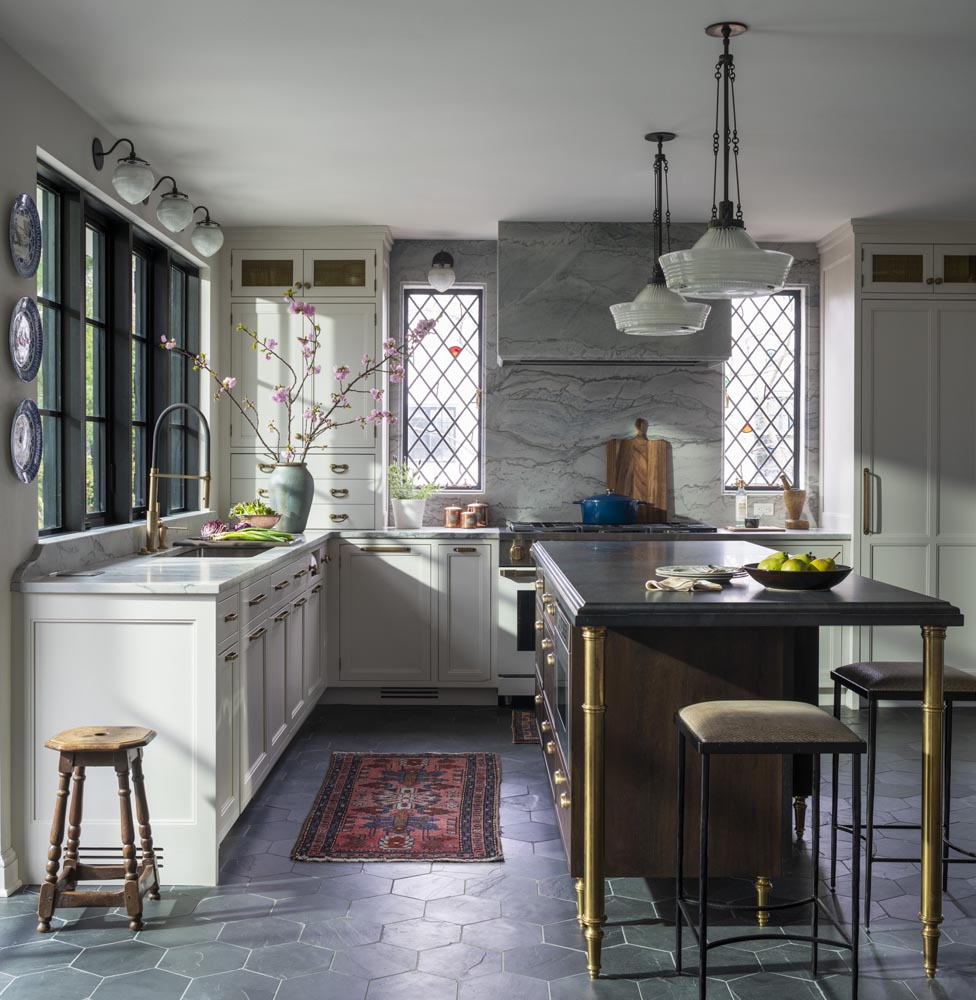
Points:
133	179
175	210
207	238
726	263
659	312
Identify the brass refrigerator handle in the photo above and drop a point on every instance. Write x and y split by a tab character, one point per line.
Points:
866	502
384	548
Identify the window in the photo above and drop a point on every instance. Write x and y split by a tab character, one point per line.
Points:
104	292
763	390
183	388
442	426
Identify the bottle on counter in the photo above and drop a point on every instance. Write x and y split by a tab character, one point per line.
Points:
741	504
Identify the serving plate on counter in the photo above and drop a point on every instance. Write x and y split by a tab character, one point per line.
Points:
717	574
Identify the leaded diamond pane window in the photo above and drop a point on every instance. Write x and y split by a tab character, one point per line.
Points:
763	392
442	427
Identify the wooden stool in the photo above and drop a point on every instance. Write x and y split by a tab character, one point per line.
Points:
93	746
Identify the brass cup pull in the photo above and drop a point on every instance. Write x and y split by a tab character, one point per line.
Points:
262	493
547	644
339	493
564	800
264	467
551	609
550	659
282	585
257	635
339	469
540	585
230	657
550	748
558	778
539	624
339	517
546	598
232	617
545	726
254	601
538	699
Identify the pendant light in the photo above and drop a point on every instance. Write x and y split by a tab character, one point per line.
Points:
132	178
441	274
207	236
175	210
726	263
657	311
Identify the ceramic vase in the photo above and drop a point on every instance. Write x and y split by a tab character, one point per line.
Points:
408	513
292	487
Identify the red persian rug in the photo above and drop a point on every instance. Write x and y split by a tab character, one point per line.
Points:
524	727
405	807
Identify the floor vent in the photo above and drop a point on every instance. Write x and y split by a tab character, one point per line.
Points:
423	694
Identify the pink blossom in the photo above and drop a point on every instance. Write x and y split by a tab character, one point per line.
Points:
314	369
296	306
271	343
308	309
388	345
341	372
168	344
280	395
367	360
377	394
229	382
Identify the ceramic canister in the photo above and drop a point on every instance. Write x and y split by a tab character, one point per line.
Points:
452	517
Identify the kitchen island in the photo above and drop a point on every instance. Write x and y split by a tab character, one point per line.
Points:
615	661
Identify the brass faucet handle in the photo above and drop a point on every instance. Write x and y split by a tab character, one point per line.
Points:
165	529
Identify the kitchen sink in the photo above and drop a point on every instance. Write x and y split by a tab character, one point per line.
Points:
213	552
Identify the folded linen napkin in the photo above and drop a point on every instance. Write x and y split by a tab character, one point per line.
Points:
677	583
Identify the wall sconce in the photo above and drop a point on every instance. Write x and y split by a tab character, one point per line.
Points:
207	236
175	210
441	274
133	177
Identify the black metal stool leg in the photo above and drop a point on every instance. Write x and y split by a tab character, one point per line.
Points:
835	777
679	888
815	859
869	844
703	882
855	867
946	792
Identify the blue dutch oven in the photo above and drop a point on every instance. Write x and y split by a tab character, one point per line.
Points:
609	508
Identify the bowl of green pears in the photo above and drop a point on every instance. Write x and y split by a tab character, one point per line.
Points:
803	571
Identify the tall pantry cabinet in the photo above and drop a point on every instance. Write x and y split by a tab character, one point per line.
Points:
899	415
344	273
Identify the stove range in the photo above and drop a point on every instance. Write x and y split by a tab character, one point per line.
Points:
577	528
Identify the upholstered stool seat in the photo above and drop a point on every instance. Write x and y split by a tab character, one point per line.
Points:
897	680
761	728
118	747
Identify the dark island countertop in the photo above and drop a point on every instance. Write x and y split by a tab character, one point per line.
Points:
602	583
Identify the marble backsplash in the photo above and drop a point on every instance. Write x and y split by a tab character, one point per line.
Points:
546	428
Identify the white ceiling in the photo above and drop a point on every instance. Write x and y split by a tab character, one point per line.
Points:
440	118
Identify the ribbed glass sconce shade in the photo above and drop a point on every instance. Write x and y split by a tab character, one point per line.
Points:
175	210
133	180
207	238
659	312
726	263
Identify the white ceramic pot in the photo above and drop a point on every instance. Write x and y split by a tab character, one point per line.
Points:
408	513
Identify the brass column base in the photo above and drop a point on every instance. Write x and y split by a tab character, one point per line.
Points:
764	891
799	815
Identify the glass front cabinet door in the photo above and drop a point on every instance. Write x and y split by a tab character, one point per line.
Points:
339	274
265	273
943	268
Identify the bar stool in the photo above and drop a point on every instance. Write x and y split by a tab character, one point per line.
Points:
896	681
760	728
119	747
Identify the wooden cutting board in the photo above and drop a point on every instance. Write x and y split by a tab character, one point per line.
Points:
638	467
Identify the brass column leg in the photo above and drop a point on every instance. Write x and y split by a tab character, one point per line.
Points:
764	891
933	709
799	815
579	901
594	717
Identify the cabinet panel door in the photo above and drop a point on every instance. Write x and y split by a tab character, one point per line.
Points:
294	662
226	779
956	421
275	709
339	274
348	331
313	658
386	611
265	273
464	575
897	267
253	755
955	268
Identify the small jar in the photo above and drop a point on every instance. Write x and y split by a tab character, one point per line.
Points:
480	511
452	517
469	519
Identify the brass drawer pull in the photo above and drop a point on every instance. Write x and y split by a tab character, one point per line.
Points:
317	589
539	624
230	657
301	573
339	469
300	603
339	518
232	617
254	601
264	467
565	801
257	635
545	726
550	659
262	493
558	777
339	493
540	585
282	616
282	585
546	644
550	748
866	501
465	548
384	548
538	699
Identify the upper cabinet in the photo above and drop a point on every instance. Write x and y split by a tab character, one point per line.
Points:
927	268
313	274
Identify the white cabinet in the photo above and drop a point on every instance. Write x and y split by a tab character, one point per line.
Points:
313	274
294	661
386	609
276	715
920	268
254	762
313	655
464	635
227	780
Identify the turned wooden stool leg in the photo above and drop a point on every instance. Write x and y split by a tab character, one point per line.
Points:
133	901
74	825
145	830
45	902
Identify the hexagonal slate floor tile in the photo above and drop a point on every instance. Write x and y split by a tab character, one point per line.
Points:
504	986
118	957
463	909
236	985
545	961
151	984
259	932
502	933
387	909
205	959
370	961
432	886
421	933
64	984
412	986
323	986
36	956
288	960
342	932
459	962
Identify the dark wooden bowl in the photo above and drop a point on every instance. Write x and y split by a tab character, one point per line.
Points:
777	579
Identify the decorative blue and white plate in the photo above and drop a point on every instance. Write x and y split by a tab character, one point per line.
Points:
25	236
26	339
25	441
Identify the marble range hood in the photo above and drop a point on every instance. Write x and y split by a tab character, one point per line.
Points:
557	281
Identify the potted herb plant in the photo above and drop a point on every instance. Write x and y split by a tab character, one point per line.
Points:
408	497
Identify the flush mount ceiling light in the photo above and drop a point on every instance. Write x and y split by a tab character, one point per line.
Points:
726	263
657	311
207	236
441	274
133	177
175	210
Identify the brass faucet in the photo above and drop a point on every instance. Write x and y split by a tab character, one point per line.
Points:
155	538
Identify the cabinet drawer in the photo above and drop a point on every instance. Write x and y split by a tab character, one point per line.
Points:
333	467
560	780
339	516
348	491
284	583
228	618
256	600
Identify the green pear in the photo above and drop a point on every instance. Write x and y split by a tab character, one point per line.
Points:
794	565
823	565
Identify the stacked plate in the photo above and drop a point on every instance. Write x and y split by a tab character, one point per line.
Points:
716	574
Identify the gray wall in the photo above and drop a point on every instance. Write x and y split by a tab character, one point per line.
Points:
545	429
